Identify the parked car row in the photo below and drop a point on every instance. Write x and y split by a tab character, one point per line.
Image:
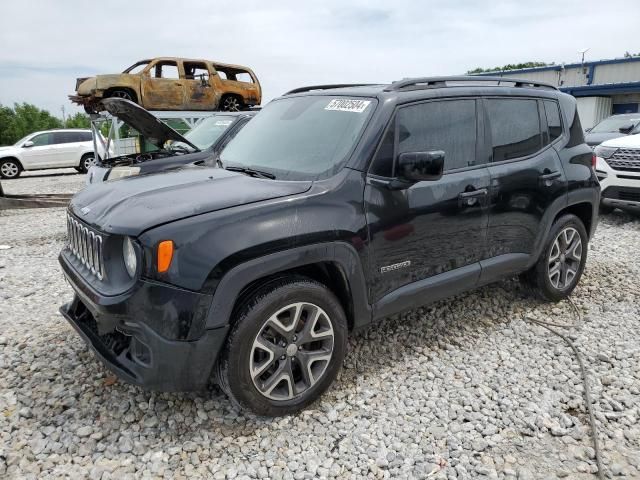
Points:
335	206
616	143
61	148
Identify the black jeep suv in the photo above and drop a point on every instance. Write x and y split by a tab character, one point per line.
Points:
334	207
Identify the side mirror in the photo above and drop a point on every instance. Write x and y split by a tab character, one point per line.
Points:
27	144
626	129
421	166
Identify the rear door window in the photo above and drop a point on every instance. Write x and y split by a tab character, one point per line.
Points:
65	137
514	127
196	71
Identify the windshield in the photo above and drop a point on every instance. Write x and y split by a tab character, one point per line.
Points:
137	67
614	124
300	138
21	141
208	131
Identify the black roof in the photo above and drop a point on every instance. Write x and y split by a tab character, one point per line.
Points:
435	87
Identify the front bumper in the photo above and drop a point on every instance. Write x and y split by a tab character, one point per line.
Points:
620	189
125	334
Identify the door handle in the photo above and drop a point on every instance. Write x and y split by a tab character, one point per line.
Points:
547	178
472	197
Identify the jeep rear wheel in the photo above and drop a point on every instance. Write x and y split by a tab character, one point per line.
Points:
286	348
10	169
562	262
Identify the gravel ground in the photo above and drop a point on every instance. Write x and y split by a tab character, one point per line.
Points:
460	389
60	180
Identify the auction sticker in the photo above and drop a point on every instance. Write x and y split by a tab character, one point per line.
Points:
348	105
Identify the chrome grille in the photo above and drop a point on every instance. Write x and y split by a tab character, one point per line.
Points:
86	246
625	159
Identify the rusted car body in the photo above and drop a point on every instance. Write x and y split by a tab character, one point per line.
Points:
169	83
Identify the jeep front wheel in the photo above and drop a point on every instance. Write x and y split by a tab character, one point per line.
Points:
285	349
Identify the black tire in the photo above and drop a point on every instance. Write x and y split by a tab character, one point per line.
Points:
234	368
10	168
541	277
231	103
87	160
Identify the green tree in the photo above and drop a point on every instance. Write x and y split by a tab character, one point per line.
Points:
7	128
22	120
510	66
79	120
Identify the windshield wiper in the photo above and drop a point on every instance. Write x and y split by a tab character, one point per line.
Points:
252	172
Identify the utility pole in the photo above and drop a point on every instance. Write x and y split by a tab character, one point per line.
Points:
64	118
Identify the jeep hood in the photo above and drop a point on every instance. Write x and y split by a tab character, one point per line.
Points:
132	205
153	130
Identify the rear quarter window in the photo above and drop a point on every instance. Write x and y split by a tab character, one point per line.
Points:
554	124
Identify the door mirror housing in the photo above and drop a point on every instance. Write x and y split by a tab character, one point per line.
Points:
421	166
27	144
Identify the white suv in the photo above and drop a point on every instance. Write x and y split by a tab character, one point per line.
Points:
49	149
618	169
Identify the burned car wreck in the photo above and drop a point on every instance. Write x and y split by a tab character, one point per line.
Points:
202	144
169	83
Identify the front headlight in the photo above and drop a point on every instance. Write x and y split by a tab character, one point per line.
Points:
605	152
129	255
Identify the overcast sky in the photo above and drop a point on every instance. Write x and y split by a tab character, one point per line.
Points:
45	45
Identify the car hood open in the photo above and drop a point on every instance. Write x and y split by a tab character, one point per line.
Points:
132	205
153	129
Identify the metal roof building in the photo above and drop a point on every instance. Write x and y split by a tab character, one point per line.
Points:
602	87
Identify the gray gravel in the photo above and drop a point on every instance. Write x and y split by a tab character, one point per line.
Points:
460	389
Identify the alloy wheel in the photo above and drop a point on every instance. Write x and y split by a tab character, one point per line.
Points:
89	162
565	258
9	170
231	104
291	351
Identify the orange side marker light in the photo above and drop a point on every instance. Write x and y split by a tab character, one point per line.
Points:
165	255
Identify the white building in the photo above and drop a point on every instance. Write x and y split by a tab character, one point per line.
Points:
602	87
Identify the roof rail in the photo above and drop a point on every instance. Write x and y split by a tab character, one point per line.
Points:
328	87
439	82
